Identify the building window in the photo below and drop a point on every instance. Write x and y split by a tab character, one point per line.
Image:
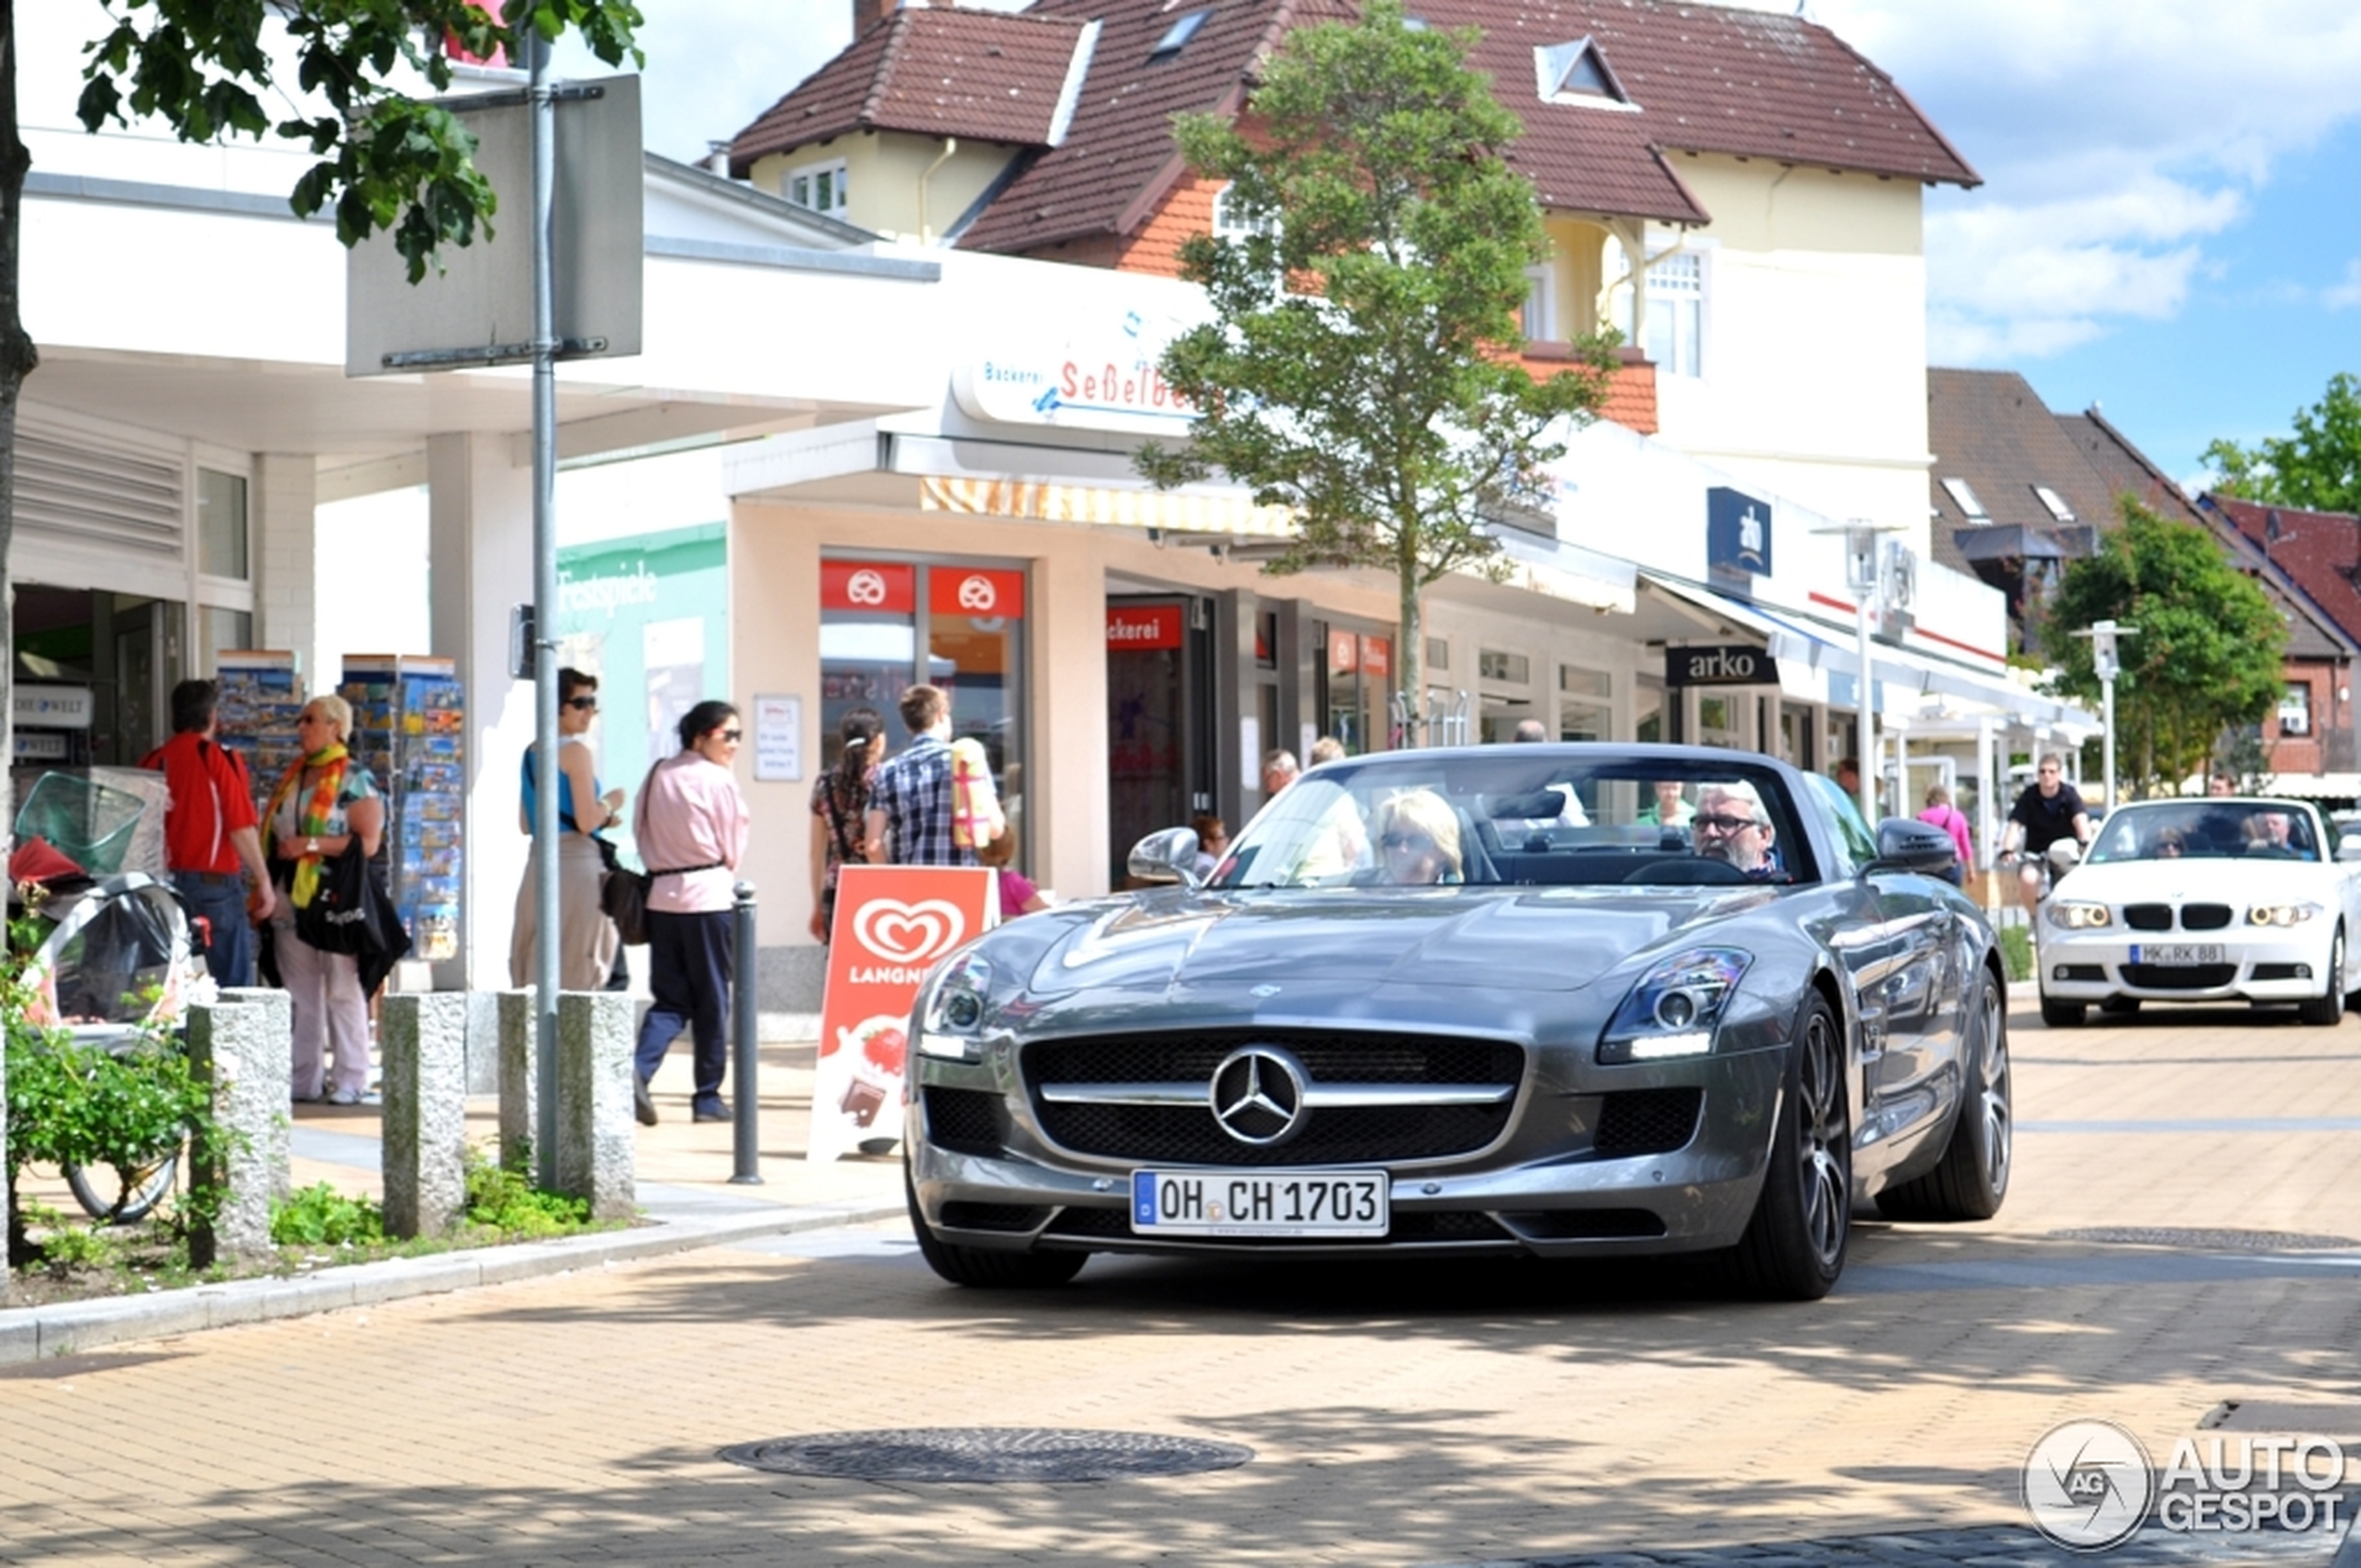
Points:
821	187
1177	36
2295	711
221	524
1970	506
2053	502
1580	682
1540	319
1509	669
1438	654
1674	337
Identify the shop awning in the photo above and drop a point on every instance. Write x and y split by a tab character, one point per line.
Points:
1806	655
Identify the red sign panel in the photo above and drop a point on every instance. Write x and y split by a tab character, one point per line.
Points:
892	923
975	592
1344	652
1143	626
868	585
1376	657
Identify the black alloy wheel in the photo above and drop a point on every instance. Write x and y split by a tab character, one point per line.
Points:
1972	1178
1794	1246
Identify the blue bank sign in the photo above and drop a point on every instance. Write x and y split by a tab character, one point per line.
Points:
1737	531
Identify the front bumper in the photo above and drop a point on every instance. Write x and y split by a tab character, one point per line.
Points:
1543	1188
2271	965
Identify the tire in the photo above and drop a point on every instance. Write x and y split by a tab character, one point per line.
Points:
1972	1178
2060	1015
2120	1006
1794	1246
982	1269
2327	1009
121	1196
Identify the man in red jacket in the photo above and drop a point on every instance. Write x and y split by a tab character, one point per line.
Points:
210	840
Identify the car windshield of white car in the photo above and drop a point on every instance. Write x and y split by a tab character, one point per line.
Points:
1507	817
2206	830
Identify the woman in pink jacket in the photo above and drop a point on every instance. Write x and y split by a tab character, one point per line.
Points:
691	829
1945	815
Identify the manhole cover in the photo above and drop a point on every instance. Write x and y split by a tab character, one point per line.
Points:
2211	1240
988	1454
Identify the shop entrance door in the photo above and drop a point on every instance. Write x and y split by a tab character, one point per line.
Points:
1160	722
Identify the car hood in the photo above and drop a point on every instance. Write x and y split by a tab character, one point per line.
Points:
2203	881
1559	939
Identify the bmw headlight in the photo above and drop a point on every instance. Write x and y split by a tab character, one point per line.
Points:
2068	916
1676	1008
2281	913
953	1015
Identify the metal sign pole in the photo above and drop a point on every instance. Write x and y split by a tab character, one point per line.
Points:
545	620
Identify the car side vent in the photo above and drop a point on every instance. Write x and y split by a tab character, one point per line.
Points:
1646	1121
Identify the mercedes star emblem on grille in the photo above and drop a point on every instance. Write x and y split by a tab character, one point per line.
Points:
1257	1095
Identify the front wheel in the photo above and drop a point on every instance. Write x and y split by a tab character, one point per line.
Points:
1972	1176
982	1267
122	1194
2327	1009
1793	1248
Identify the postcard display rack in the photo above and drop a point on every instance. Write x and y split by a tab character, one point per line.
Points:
407	725
262	694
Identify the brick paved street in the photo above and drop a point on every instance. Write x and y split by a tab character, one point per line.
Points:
1398	1414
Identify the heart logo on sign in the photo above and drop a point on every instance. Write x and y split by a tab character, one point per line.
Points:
909	933
977	594
865	587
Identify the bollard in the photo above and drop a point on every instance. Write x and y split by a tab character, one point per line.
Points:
229	1045
424	1151
519	1101
593	1134
745	1136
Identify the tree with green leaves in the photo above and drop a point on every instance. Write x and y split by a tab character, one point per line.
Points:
2317	468
204	68
1360	366
2209	654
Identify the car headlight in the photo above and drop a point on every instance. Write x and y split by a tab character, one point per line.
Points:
1676	1008
953	1015
2281	913
2071	917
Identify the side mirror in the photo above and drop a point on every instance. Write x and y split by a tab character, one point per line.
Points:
1907	844
1169	855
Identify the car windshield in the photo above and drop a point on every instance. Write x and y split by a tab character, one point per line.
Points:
2208	830
1508	816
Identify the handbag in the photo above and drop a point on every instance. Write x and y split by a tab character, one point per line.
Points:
350	912
623	895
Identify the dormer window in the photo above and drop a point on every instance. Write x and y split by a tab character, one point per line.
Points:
820	187
2054	502
1576	74
1965	499
1183	28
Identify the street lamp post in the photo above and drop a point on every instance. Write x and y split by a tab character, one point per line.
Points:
1862	577
2106	665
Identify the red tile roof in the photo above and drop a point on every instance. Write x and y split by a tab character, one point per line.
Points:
981	74
2320	550
1704	79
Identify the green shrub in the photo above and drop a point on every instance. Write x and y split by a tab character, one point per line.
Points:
506	1201
2017	952
319	1215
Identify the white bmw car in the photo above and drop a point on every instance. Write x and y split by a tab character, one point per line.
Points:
2222	899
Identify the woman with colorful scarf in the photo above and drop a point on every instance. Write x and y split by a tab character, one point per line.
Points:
322	805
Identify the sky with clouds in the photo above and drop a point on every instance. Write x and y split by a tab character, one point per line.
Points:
2170	225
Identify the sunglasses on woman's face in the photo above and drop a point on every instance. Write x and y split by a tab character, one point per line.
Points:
730	735
583	704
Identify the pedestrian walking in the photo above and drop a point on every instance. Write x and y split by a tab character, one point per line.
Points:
1940	814
839	811
212	839
691	827
910	814
586	939
323	804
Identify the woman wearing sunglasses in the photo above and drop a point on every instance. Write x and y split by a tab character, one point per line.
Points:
692	831
587	939
1418	838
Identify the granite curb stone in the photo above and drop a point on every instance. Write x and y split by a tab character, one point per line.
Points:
33	1333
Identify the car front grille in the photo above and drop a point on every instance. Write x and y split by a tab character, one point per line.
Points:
2204	917
2179	977
1646	1121
1404	1127
2158	916
966	1121
961	1216
1584	1224
2148	917
1417	1225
